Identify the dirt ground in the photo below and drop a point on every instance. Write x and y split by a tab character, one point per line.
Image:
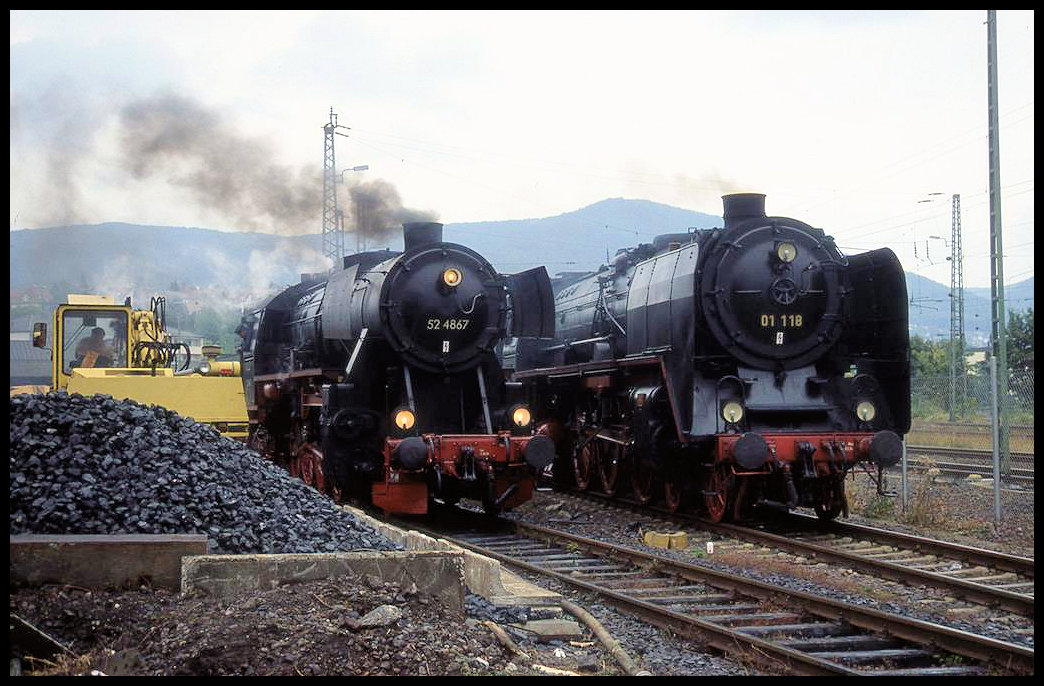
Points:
314	628
952	510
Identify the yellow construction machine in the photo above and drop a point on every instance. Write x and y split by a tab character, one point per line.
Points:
102	347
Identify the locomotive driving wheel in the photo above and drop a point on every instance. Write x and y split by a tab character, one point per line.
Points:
333	490
610	459
716	494
310	466
830	498
643	481
583	461
672	494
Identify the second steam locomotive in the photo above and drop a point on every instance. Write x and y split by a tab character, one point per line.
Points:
380	378
728	367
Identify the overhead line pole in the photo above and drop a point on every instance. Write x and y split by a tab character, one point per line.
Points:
333	221
999	343
958	376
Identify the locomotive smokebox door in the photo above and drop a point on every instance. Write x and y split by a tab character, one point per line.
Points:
533	304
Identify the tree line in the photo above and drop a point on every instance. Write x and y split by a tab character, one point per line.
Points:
932	358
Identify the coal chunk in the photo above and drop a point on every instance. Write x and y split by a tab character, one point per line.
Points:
93	464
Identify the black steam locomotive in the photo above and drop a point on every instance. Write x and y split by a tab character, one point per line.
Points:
729	366
379	379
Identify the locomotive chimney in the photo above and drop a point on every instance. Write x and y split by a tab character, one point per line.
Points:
418	234
741	206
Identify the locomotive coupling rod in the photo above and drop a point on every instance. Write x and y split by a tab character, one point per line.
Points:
605	436
506	494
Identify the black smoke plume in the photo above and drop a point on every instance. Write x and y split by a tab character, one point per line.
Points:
376	212
190	146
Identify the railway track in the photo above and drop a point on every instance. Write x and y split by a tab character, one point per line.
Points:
963	462
788	630
963	434
976	575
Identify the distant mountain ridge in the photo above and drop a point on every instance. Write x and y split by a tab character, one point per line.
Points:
239	268
575	241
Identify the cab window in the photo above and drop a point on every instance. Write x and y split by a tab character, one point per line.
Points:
94	339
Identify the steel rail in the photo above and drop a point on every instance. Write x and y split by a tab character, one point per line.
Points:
1005	655
959	642
1020	603
972	555
894	571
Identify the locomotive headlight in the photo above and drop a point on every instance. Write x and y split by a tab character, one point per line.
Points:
866	411
786	252
452	277
404	419
521	416
732	412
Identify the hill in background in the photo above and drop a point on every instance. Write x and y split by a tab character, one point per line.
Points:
224	270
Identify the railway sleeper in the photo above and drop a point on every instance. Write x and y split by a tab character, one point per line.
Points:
969	670
511	545
968	571
926	560
940	567
853	642
574	562
618	576
867	550
654	590
696	606
753	619
542	559
628	584
582	571
515	551
915	657
990	578
897	556
808	629
641	584
494	539
1020	585
821	538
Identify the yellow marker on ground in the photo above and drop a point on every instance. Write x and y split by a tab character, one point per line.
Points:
677	539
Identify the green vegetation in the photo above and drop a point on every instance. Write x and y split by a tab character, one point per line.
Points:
928	357
1020	342
216	327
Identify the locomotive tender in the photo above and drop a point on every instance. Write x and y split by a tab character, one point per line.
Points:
380	380
736	365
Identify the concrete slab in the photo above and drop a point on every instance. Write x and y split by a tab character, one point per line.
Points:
518	591
483	576
435	573
102	561
97	561
552	629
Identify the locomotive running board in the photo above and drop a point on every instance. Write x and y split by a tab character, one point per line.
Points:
602	367
589	368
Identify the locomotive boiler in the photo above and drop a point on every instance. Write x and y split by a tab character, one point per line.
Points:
727	367
379	379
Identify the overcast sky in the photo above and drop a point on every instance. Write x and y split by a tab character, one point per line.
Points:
846	120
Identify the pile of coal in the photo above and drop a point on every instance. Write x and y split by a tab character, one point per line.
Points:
95	465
